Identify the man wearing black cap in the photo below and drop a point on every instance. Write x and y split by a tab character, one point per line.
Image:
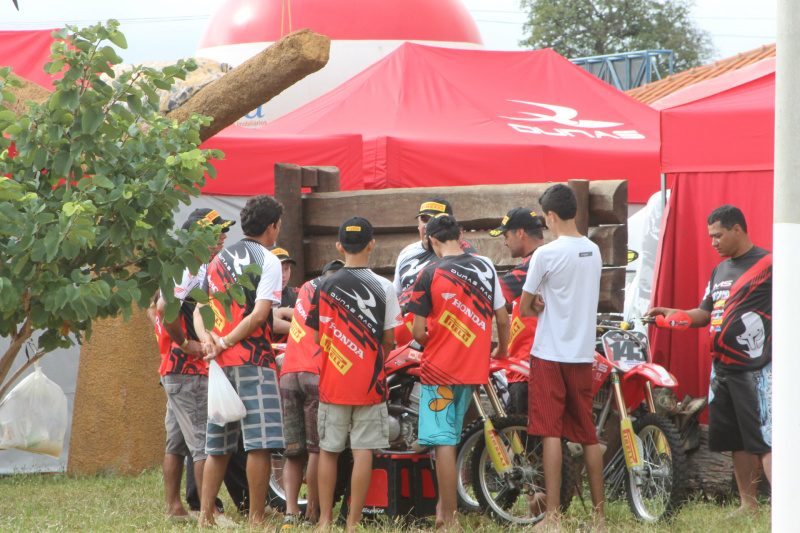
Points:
184	375
416	257
522	231
456	299
353	314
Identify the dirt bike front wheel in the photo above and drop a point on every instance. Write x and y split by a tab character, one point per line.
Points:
655	491
518	496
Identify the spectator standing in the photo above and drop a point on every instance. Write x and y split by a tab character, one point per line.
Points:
563	289
242	348
522	234
738	306
354	313
456	297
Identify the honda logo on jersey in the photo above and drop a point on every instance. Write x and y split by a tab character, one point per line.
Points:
565	117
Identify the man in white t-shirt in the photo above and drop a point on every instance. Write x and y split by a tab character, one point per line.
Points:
562	289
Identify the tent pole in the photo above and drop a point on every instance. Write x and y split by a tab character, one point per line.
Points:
785	289
663	190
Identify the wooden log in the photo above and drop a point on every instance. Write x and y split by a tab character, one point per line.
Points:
256	81
29	92
328	179
608	202
709	473
613	243
288	191
581	190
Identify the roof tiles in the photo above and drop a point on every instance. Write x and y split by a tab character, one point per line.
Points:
656	90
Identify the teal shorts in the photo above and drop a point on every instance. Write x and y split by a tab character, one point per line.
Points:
441	413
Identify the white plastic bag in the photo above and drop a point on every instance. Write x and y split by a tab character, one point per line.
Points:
224	405
33	416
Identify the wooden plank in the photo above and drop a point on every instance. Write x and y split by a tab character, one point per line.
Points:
288	191
613	243
309	177
581	190
329	179
480	207
608	202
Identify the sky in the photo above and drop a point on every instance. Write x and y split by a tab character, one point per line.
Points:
163	30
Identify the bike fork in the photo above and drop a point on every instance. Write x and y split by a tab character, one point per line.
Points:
633	459
497	452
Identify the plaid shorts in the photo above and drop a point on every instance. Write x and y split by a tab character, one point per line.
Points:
262	427
300	399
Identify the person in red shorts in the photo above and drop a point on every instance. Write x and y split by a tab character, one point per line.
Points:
456	298
522	232
563	289
353	313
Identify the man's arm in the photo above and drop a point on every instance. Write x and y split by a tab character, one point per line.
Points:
530	304
211	347
388	341
503	327
176	333
250	323
699	317
282	320
418	330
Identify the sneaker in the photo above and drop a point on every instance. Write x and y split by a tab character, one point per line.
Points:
292	521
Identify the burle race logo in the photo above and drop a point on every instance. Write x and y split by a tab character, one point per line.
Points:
565	117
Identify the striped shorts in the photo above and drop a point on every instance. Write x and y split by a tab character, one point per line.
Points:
262	427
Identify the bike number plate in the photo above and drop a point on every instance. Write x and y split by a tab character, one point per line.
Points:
625	349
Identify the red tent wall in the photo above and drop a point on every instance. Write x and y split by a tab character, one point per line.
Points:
27	52
720	149
250	157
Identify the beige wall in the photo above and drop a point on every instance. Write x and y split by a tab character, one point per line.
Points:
118	423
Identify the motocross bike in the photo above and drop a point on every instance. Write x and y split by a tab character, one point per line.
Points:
650	460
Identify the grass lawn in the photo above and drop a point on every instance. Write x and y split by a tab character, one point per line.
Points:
32	502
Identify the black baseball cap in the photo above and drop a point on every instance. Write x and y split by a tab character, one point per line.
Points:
519	218
437	223
435	205
204	217
282	254
334	265
355	230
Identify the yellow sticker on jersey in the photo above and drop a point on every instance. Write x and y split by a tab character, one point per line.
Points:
338	359
457	328
516	327
296	331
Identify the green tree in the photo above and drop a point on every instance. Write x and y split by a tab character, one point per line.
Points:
88	191
580	28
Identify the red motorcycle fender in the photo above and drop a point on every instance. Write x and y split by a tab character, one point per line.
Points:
601	368
633	382
509	365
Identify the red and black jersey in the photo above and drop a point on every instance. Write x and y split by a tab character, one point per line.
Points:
412	260
173	359
739	298
458	295
226	268
523	329
302	353
351	309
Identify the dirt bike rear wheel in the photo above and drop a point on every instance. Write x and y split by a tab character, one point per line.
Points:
656	491
276	496
519	497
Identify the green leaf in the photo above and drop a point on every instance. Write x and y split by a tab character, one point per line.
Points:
118	39
62	164
199	295
208	316
91	119
13	129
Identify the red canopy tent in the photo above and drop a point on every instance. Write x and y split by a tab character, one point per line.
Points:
27	52
434	116
717	142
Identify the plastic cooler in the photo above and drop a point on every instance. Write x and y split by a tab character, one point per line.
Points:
401	486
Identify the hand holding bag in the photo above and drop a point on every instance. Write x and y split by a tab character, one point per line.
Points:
224	405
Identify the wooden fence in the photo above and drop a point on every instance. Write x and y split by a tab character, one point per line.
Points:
311	221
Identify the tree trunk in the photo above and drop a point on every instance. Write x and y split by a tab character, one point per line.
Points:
256	81
709	473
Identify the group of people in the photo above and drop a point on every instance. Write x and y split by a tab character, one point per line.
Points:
339	327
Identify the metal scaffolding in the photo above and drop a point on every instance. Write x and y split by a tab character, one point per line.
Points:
628	70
